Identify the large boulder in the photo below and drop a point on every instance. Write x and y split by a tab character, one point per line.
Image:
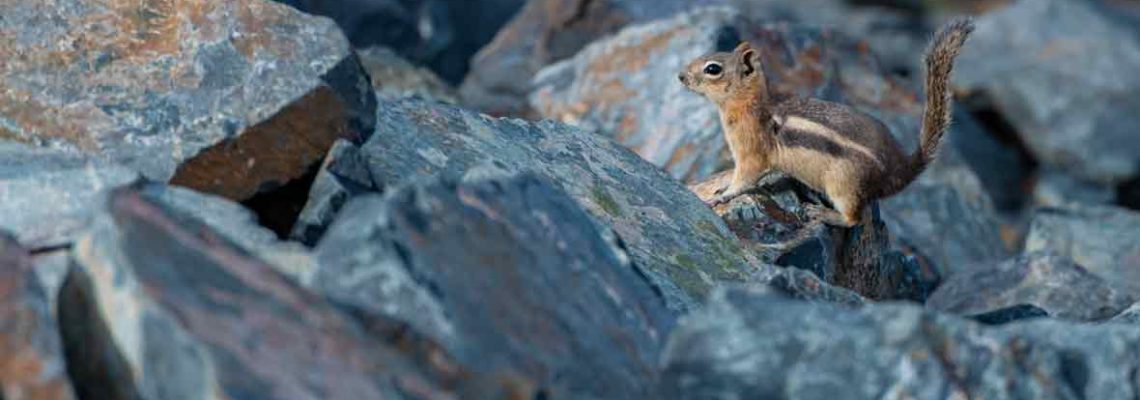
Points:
683	246
1103	239
32	362
440	34
1062	73
749	344
546	31
625	87
46	195
1049	282
225	97
161	306
506	273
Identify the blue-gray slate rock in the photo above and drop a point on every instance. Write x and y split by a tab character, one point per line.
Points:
160	306
505	273
747	344
679	242
32	359
46	195
1063	73
546	31
1049	282
229	98
1103	239
343	174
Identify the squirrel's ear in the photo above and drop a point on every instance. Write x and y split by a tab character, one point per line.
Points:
740	48
748	61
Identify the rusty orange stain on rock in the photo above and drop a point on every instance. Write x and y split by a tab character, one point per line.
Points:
625	60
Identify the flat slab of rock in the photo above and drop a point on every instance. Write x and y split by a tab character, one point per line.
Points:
1062	73
32	363
223	97
46	196
161	306
748	344
506	273
1054	284
680	243
1103	239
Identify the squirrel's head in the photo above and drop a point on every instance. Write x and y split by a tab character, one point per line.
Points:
722	76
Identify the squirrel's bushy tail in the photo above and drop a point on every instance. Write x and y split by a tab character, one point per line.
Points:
940	57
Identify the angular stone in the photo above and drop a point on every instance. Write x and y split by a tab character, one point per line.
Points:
394	77
546	31
1102	239
440	34
609	87
506	273
859	259
1131	315
160	306
1062	73
46	195
1054	284
748	344
681	244
343	174
32	364
227	97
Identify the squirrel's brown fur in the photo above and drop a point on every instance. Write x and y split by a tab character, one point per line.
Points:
842	152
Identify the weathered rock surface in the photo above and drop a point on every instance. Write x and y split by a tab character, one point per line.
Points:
746	344
683	246
46	195
546	31
343	174
1062	73
441	34
1102	239
1058	189
160	306
507	273
1052	283
859	259
394	77
224	97
32	365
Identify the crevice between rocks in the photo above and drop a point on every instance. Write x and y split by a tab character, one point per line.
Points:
96	368
980	105
1128	194
278	208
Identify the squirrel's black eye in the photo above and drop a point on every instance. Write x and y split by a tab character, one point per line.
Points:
713	69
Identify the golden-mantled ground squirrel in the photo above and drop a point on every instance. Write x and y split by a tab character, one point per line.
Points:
844	153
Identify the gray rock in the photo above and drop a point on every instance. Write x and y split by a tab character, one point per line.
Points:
642	105
394	77
1062	72
1102	239
160	306
681	244
441	34
859	259
342	175
746	344
46	195
1057	189
32	360
508	273
546	31
1053	284
225	97
1131	315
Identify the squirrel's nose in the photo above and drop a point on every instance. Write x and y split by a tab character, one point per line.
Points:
681	77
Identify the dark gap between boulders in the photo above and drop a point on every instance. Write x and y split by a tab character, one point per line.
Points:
277	208
981	106
1128	194
94	365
